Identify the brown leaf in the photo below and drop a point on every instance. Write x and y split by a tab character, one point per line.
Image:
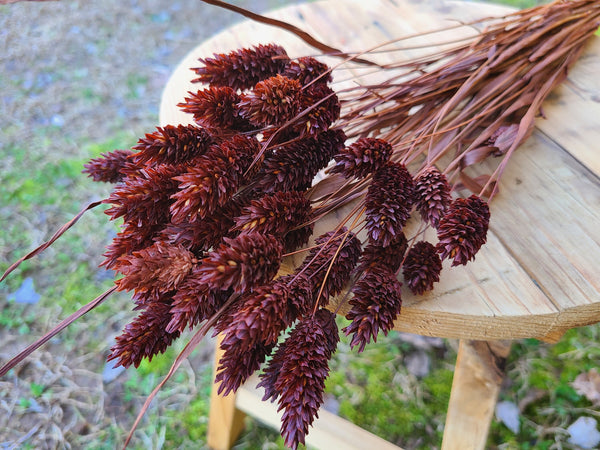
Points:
477	184
588	385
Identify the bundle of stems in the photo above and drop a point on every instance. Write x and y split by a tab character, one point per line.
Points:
480	99
210	210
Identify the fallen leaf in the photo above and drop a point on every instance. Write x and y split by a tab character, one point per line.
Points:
588	385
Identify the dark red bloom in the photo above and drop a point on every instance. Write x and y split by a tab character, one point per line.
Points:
388	202
270	373
144	337
463	229
108	167
241	263
160	266
292	167
307	69
144	199
172	145
422	267
301	378
275	214
211	183
432	195
202	235
273	101
132	238
297	238
390	256
327	274
318	117
243	68
194	302
237	365
216	107
300	295
376	304
362	158
261	317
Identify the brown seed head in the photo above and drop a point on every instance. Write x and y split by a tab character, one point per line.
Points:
388	202
108	167
463	229
376	304
293	166
422	267
246	261
216	107
273	101
307	69
172	145
160	266
243	68
300	380
362	158
432	195
144	337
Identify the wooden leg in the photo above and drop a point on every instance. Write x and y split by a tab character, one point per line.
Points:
225	421
477	378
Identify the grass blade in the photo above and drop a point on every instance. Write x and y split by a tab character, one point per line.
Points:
61	326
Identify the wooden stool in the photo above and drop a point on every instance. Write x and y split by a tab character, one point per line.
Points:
536	277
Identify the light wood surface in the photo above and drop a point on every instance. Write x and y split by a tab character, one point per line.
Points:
328	431
225	419
538	275
477	378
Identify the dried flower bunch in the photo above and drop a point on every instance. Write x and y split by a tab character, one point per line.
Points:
210	210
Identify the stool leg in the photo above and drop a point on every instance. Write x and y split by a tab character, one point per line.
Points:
477	377
225	421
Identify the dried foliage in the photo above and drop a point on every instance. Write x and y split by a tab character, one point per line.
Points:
208	210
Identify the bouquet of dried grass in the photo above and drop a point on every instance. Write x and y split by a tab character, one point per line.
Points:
210	210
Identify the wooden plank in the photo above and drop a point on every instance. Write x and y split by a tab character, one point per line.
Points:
547	214
327	432
477	378
572	111
225	420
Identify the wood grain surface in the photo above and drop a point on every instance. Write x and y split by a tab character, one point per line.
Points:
538	275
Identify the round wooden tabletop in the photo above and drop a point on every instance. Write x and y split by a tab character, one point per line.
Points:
539	273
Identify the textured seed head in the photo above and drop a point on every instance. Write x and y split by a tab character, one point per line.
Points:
307	69
388	203
216	107
243	68
172	145
422	267
432	195
362	158
463	229
241	263
375	305
273	101
108	168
